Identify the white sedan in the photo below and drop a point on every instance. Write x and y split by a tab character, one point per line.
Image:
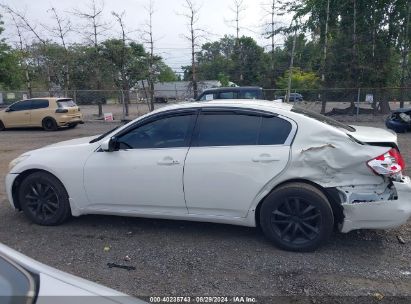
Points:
294	173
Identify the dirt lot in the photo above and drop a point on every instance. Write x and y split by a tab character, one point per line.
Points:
185	259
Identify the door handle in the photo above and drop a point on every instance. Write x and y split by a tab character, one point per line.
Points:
265	158
168	161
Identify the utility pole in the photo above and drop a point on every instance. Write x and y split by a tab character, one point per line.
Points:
290	73
405	51
324	59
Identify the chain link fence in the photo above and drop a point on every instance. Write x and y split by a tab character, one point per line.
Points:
341	103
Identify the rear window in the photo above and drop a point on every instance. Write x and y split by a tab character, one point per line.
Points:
66	103
250	94
228	95
322	118
224	129
229	129
39	104
274	131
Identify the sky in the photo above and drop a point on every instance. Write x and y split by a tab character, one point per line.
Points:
169	26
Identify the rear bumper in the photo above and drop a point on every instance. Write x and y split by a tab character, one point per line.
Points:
382	214
69	120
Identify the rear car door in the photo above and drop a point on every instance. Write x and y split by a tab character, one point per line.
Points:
18	114
38	112
234	153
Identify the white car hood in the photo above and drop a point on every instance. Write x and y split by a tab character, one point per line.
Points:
72	142
373	135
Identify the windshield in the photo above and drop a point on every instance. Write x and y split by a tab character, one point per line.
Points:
322	118
16	284
66	103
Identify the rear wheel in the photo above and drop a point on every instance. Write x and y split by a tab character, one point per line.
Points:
44	199
297	217
49	124
1	126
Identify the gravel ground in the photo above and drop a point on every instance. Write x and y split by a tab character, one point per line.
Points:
177	258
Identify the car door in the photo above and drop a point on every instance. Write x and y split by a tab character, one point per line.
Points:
145	174
18	114
234	154
39	111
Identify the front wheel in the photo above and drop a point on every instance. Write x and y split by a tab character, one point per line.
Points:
44	199
297	217
2	128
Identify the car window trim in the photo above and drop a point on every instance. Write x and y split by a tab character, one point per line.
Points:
224	111
155	117
20	101
243	111
33	102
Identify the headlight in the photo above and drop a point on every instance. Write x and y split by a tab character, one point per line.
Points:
17	160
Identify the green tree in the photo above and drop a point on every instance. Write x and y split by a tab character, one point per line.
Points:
166	73
11	76
300	80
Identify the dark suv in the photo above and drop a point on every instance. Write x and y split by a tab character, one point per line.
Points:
231	93
294	97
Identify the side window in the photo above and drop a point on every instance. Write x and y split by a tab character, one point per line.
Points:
39	104
207	97
168	132
228	95
249	95
274	131
227	129
21	105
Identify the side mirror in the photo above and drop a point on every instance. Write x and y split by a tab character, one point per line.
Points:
109	145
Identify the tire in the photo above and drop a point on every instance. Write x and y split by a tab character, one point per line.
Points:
49	124
72	126
2	128
297	217
44	199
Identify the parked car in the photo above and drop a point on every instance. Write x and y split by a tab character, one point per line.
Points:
24	280
399	120
290	171
48	113
231	93
294	97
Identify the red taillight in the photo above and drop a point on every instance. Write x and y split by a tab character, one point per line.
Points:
398	157
389	163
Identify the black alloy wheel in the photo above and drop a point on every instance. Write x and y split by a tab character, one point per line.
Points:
49	124
297	217
44	199
296	221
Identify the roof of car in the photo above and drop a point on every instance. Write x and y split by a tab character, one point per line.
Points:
232	89
53	98
242	103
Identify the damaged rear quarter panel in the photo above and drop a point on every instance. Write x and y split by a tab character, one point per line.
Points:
327	156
